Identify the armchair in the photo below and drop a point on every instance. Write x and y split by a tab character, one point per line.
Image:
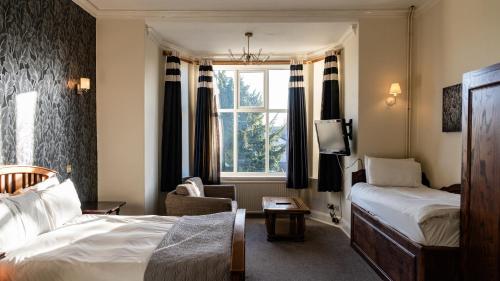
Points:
187	199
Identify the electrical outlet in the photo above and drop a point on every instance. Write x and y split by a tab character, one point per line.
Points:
69	168
333	207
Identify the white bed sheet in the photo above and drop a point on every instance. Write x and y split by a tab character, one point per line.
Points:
92	247
427	216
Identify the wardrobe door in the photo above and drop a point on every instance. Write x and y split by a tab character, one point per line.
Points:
480	206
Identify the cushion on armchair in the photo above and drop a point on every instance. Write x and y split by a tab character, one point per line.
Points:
187	189
198	184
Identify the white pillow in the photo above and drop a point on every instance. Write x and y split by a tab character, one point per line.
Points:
62	203
45	184
11	228
393	172
31	214
197	183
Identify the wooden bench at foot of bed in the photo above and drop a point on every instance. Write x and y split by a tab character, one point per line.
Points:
394	256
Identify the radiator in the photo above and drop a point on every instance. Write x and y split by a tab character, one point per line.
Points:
249	194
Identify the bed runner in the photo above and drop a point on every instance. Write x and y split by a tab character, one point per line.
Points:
196	248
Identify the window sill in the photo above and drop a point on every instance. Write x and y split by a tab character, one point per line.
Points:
252	178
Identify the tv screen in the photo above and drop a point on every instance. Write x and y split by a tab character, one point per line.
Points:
332	137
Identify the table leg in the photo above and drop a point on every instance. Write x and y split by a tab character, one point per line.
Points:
271	226
293	225
301	227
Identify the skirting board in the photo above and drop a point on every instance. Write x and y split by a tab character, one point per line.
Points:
325	218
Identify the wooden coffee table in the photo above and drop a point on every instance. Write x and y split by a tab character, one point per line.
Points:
291	206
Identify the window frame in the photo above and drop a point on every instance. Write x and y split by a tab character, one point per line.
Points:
250	109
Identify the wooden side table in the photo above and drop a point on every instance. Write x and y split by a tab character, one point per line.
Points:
102	207
291	206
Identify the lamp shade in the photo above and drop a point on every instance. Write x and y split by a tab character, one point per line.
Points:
84	83
395	89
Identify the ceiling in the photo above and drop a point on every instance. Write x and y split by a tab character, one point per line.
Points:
250	5
278	39
282	28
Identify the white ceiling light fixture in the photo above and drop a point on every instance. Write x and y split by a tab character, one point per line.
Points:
248	57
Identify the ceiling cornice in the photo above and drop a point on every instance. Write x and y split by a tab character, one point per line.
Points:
87	6
242	16
427	5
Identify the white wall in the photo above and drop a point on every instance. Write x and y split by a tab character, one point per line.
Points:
382	61
120	112
128	77
153	87
451	38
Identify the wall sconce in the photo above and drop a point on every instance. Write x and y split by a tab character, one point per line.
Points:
83	86
393	93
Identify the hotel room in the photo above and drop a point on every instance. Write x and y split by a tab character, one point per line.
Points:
249	140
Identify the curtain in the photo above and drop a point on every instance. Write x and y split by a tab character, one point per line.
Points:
297	171
329	173
206	139
171	155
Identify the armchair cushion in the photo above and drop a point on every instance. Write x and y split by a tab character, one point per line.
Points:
197	183
221	191
187	189
178	205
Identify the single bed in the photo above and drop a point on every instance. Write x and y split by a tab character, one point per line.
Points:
405	233
94	247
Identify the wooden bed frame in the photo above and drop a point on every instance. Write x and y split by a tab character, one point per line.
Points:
394	256
14	177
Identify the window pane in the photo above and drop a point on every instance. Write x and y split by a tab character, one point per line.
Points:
252	89
278	138
251	142
278	89
224	88
227	141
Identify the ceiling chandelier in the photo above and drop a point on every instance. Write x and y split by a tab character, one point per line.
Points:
247	57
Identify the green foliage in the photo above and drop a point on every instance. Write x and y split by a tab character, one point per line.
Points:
251	131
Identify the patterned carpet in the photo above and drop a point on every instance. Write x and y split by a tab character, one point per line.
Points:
325	255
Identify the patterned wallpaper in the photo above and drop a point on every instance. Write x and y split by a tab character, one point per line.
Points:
44	45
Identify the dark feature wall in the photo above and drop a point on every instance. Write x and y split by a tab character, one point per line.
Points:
44	44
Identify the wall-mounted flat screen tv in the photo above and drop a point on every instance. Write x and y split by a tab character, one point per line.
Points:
333	137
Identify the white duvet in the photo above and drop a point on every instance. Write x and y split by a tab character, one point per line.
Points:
427	216
92	247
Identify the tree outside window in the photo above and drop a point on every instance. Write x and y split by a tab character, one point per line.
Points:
252	113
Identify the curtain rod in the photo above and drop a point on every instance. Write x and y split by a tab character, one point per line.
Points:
269	62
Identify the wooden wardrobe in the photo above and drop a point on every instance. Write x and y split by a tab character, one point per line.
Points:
480	206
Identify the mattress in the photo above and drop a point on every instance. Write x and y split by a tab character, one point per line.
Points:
92	247
426	216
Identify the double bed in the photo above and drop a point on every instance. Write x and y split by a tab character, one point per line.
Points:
406	233
98	247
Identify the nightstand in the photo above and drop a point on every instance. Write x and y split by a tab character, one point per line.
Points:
102	207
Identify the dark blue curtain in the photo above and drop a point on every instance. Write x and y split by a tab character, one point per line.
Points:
297	174
329	173
171	154
206	138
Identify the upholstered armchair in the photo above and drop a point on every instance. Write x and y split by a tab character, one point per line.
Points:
193	198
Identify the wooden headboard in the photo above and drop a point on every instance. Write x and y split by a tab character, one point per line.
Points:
15	177
360	176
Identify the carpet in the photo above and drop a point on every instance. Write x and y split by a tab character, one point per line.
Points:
324	255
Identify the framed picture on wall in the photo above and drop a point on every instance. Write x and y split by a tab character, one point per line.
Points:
452	108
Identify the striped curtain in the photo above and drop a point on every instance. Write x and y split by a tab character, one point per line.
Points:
206	139
171	154
297	173
329	173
